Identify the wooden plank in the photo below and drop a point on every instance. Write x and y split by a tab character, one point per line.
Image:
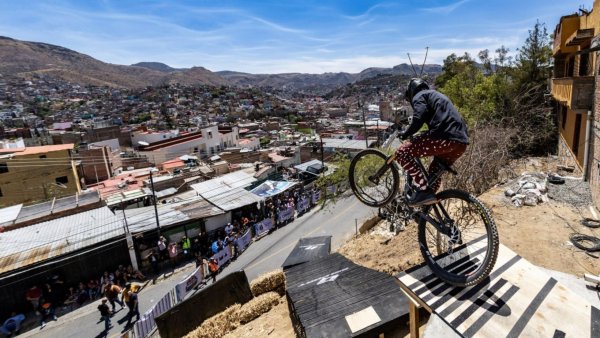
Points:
518	299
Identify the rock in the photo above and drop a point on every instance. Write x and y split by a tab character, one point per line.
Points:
531	200
517	199
509	193
528	185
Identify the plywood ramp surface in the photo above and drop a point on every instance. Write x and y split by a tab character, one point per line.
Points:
517	300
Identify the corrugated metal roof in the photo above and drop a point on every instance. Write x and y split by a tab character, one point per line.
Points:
143	219
222	184
226	192
125	196
305	165
10	214
42	241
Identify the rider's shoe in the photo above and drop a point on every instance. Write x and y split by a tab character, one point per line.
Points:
422	197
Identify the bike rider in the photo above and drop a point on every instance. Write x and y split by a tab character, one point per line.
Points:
446	140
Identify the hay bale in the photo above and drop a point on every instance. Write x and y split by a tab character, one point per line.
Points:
257	306
219	324
272	281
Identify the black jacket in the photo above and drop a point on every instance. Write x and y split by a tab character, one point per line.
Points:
443	120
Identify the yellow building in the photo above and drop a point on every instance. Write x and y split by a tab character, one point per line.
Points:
576	89
35	174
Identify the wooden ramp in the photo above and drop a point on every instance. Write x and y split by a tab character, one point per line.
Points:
516	300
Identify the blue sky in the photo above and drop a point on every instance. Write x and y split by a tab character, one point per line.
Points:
308	36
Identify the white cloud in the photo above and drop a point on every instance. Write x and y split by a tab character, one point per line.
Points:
445	9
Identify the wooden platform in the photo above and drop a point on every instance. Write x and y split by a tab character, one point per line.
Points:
517	300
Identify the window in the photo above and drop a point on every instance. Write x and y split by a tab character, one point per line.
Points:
42	156
584	63
62	180
210	134
3	168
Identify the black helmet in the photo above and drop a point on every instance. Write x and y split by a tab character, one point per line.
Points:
414	86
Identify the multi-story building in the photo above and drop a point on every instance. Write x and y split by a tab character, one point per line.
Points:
34	174
576	90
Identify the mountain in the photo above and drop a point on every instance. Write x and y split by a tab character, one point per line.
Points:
319	83
161	67
22	58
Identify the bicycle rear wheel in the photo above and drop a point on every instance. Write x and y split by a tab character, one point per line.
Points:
362	167
467	256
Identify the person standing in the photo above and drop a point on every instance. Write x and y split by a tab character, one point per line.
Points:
186	246
33	296
162	248
105	314
111	292
46	310
153	258
213	267
173	252
133	306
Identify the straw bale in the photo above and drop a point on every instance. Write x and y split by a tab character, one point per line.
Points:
271	281
257	306
219	324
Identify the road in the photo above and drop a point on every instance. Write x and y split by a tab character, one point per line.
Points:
335	219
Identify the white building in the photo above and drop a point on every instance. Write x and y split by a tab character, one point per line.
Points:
204	143
12	144
152	136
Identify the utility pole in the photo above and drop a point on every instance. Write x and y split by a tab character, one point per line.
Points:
129	239
154	202
322	156
361	106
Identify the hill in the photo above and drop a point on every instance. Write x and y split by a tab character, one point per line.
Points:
22	58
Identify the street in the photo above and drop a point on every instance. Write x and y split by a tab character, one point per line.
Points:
336	219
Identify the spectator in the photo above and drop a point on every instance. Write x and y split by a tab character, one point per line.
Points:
82	294
196	246
46	310
186	246
112	292
94	289
153	258
133	273
228	228
173	252
213	268
162	248
120	278
133	307
106	277
12	324
33	296
105	314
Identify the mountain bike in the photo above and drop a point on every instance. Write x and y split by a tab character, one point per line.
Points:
457	235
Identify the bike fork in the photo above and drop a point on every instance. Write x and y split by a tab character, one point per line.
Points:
388	163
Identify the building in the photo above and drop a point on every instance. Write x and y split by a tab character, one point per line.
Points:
100	161
575	87
205	143
34	174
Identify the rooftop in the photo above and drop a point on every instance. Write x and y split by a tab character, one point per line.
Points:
37	150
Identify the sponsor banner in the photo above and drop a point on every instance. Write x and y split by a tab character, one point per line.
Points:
263	226
286	214
185	286
244	241
146	324
222	256
315	196
302	204
331	190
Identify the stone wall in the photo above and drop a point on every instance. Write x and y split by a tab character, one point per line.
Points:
566	157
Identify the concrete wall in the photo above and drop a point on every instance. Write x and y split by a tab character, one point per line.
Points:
568	133
28	182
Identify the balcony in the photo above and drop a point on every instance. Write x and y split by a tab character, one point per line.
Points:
580	36
576	92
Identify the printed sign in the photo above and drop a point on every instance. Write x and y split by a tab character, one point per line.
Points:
244	241
146	324
222	256
316	195
186	285
263	226
286	214
302	205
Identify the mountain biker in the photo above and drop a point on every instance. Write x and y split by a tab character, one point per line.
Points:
446	140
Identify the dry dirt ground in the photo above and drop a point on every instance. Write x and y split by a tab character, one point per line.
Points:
540	234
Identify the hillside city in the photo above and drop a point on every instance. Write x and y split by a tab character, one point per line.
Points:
193	190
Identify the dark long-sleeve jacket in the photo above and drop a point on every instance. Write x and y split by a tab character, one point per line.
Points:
443	120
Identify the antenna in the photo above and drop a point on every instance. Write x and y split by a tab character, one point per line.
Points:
425	60
411	64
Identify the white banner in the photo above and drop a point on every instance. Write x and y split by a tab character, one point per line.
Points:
302	205
244	241
222	256
186	285
286	214
146	324
316	195
263	226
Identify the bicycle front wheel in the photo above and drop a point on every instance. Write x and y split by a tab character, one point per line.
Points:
373	192
466	255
